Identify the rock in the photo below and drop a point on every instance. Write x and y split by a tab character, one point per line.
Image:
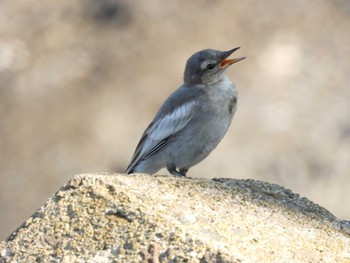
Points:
123	218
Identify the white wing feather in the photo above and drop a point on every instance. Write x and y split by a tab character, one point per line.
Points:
171	123
163	128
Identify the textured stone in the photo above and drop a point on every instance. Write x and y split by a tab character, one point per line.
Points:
121	218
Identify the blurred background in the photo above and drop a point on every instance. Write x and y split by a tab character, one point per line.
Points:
80	81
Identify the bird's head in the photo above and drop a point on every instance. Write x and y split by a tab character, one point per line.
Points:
207	66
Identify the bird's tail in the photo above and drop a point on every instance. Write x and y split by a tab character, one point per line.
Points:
129	170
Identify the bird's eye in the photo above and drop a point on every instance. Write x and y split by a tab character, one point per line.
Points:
211	66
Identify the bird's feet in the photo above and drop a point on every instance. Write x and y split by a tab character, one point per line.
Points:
173	171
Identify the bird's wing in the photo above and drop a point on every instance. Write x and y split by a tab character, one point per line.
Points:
172	117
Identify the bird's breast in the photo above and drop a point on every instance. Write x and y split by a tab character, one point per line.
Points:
217	112
223	97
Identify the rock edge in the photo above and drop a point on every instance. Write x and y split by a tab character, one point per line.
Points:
135	218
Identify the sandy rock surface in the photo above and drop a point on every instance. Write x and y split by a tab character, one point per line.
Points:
120	218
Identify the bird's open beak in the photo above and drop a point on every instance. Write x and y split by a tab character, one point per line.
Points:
227	62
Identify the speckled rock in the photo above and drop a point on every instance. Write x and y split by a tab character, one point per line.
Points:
142	218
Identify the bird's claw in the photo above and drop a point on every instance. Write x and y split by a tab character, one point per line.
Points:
173	171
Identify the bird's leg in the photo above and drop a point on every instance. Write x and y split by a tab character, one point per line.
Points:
183	171
172	169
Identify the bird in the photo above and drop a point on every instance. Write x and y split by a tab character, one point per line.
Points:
192	120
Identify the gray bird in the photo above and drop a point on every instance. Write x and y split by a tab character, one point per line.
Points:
193	120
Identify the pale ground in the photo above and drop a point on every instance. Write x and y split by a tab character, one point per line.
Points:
118	218
80	81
